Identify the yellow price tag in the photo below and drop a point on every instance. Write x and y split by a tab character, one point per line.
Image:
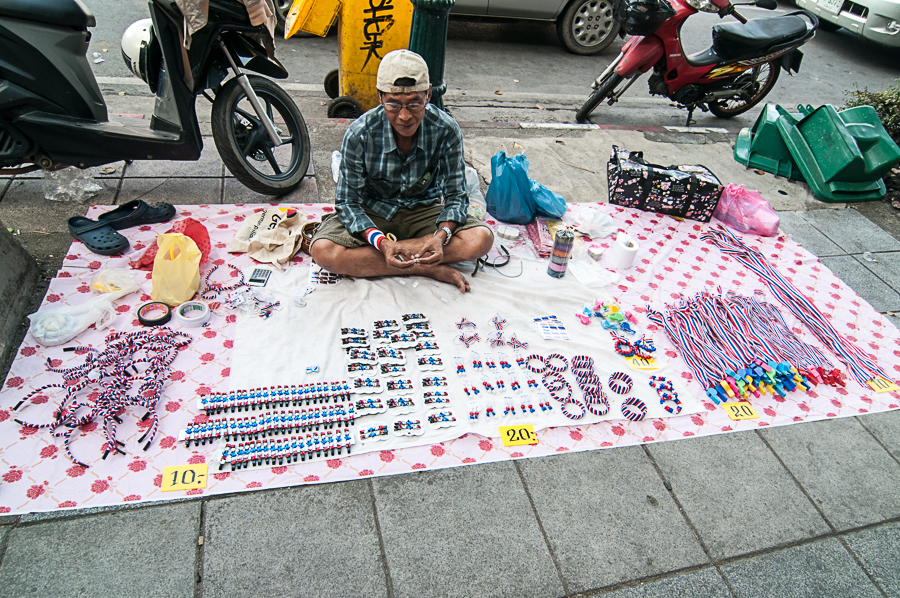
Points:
879	384
184	477
639	363
516	435
740	410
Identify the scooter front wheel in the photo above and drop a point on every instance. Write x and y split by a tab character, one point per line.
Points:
761	80
604	90
245	146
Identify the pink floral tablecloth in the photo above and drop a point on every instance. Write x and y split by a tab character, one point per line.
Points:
36	475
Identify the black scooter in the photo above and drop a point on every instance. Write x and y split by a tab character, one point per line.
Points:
52	112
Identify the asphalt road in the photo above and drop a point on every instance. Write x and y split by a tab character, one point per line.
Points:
527	63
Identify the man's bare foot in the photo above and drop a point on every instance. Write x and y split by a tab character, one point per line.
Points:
446	274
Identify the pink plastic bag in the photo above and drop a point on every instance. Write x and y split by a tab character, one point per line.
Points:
747	211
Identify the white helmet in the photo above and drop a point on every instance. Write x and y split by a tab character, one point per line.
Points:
141	51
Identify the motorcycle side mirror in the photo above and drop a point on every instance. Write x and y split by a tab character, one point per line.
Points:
767	4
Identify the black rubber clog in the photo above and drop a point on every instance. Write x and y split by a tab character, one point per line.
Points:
99	237
137	212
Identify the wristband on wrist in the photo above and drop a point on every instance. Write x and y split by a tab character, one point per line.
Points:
375	238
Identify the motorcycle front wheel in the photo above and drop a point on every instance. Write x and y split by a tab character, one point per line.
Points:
606	87
762	79
244	144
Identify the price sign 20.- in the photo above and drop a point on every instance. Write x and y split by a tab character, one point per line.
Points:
517	435
740	410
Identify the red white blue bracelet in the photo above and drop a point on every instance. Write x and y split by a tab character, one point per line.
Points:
531	368
375	237
597	403
555	369
634	409
620	383
573	409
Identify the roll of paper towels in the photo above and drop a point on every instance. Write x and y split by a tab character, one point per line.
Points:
623	252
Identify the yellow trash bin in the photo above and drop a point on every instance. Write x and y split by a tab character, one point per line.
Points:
367	30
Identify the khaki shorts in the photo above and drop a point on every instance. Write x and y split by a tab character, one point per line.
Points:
407	223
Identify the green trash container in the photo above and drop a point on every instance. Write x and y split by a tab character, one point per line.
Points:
843	155
762	146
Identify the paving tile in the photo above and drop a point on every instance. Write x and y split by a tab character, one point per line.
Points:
94	170
467	531
817	570
736	511
809	237
886	428
895	320
319	538
877	549
209	165
886	267
609	518
307	192
705	583
24	206
171	190
4	529
868	286
147	552
846	473
851	231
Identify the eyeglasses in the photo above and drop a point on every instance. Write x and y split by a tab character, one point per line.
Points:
397	107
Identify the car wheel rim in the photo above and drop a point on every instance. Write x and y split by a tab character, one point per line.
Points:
592	22
282	7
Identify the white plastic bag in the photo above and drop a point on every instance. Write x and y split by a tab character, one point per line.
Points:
110	280
477	203
69	184
58	325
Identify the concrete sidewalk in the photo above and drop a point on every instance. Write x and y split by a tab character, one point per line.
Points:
803	510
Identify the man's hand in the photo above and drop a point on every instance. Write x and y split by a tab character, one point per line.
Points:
431	253
398	254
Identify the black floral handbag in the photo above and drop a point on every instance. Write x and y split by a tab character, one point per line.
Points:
684	191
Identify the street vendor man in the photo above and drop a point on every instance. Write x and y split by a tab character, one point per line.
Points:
401	205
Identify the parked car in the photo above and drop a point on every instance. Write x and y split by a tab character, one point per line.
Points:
877	20
583	26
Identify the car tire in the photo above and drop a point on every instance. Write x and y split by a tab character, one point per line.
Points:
587	27
282	7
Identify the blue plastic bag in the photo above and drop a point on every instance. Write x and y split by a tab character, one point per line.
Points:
514	198
509	198
549	203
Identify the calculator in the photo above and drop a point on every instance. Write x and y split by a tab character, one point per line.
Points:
260	277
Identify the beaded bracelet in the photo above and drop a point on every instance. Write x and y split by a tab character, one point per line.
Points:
569	411
665	397
556	369
531	368
638	413
624	347
213	289
620	382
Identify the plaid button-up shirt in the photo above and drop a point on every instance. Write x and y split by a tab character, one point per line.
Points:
376	174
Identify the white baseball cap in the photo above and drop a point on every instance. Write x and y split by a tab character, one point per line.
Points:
402	64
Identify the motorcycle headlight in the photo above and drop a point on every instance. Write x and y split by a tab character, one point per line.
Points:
702	5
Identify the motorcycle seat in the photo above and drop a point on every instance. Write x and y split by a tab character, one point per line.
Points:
731	40
66	13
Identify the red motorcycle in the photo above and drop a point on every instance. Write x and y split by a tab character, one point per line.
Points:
728	78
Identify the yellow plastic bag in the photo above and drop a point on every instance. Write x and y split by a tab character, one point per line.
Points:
176	269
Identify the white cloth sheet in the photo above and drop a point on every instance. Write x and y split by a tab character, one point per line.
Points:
277	350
